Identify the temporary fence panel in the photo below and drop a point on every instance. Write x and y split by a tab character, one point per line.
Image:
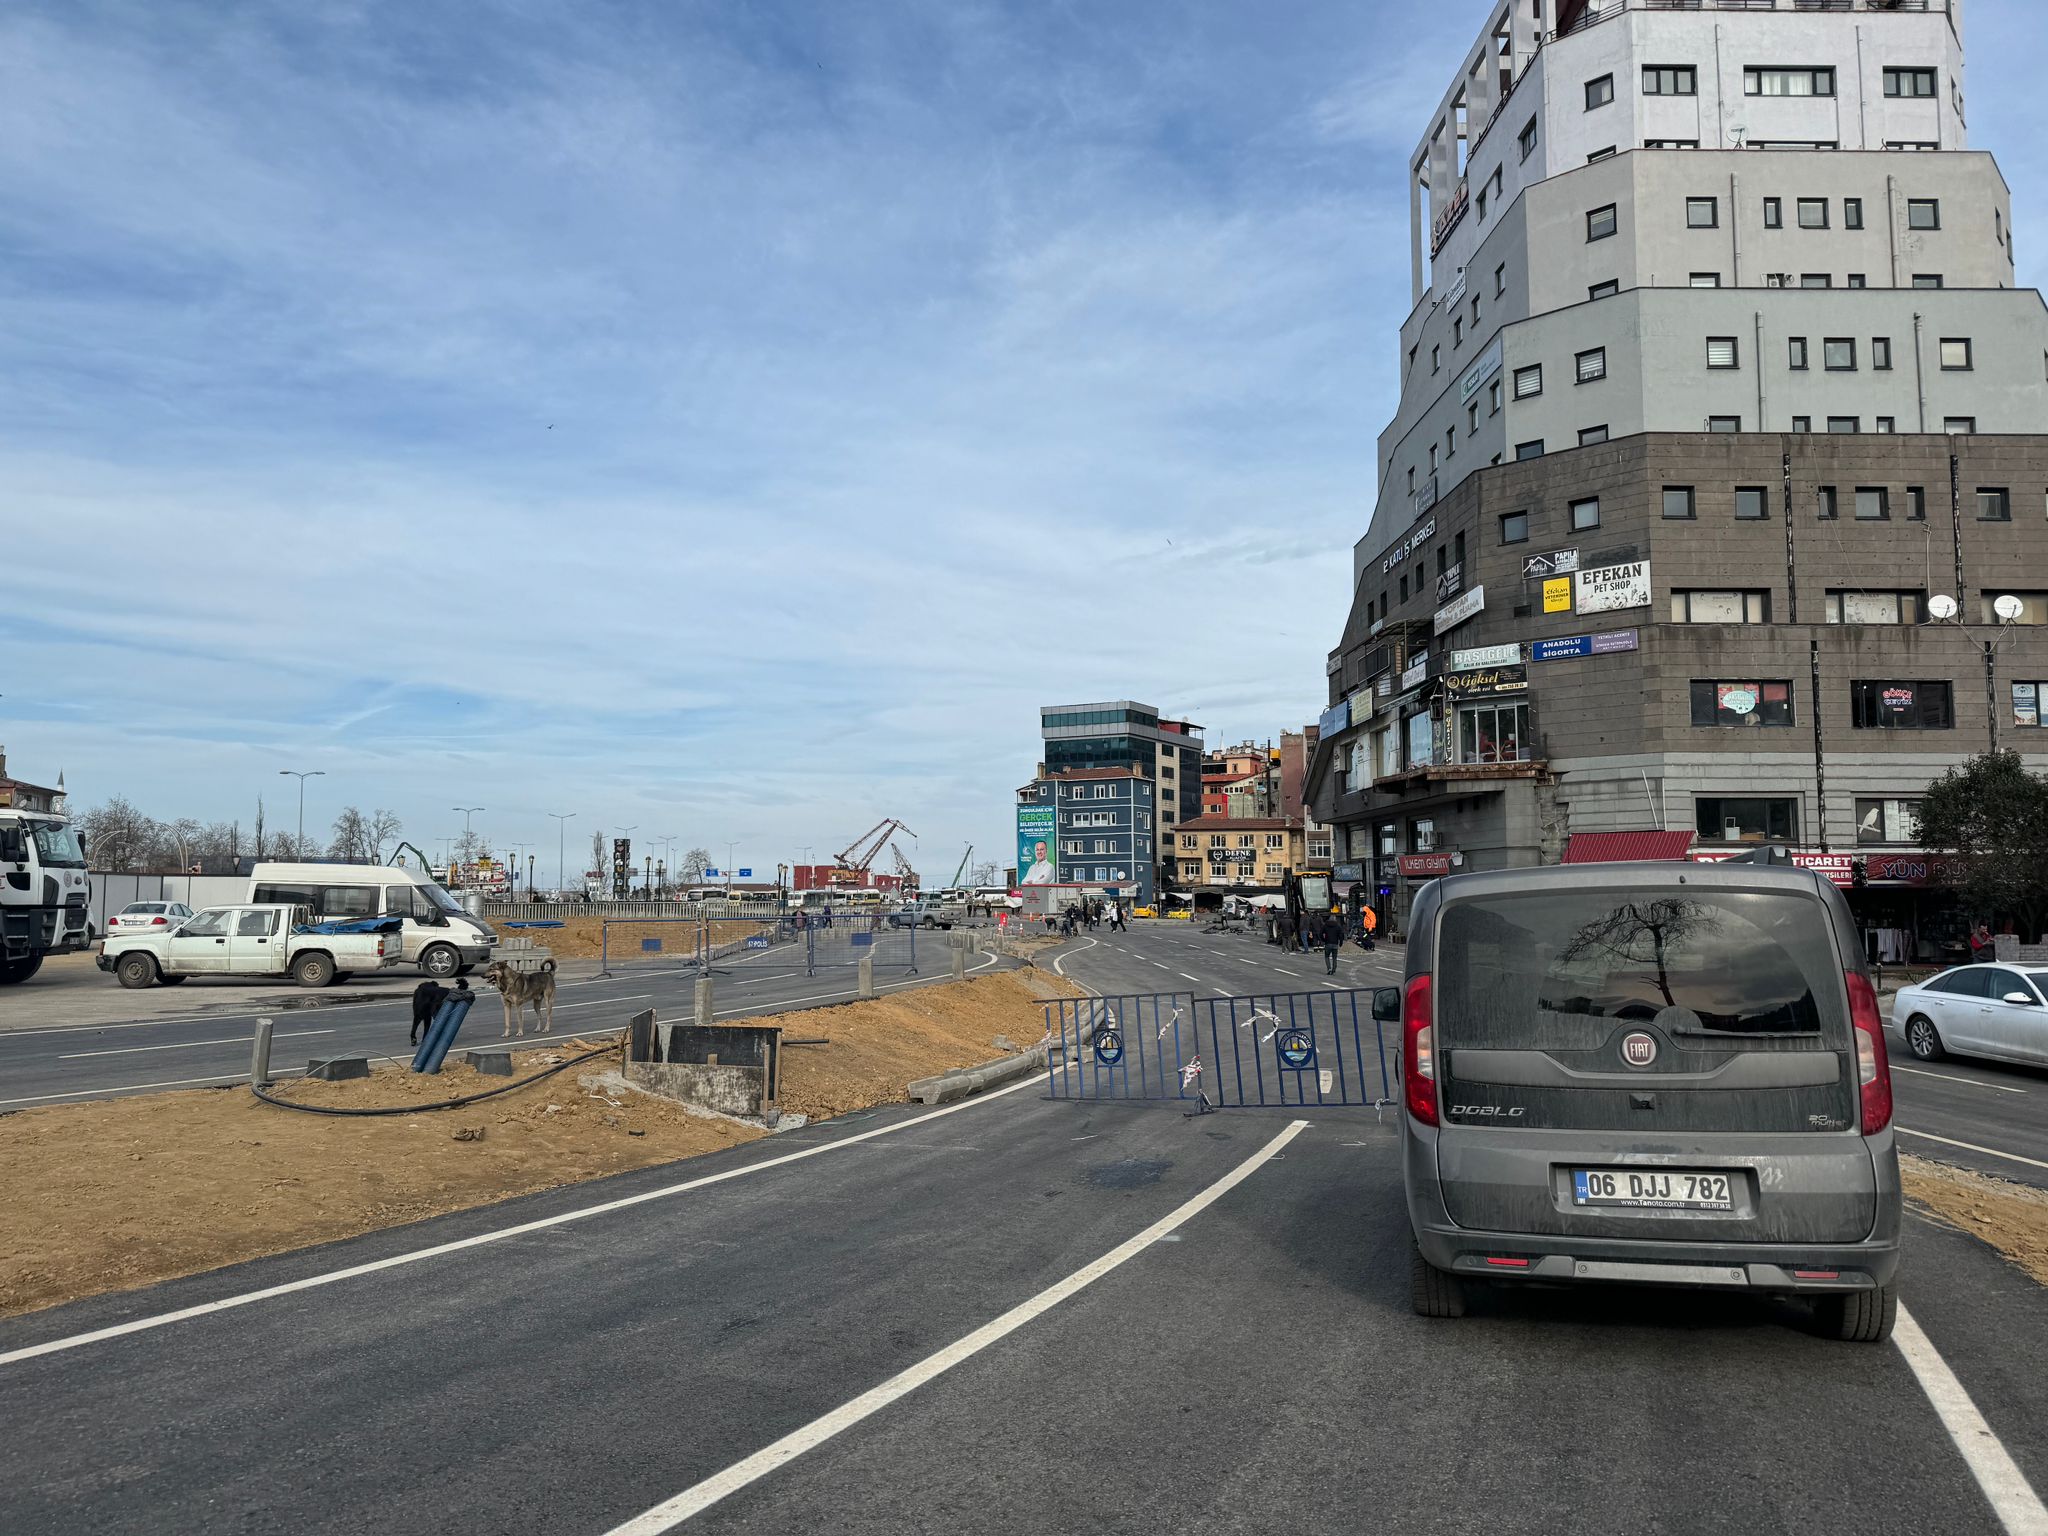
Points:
700	942
847	940
1265	1051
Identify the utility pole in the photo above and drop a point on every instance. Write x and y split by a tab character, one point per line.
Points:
310	773
562	820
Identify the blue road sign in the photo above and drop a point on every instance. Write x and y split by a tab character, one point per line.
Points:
710	874
746	874
758	941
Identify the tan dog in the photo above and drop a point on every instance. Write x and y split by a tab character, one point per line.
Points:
516	989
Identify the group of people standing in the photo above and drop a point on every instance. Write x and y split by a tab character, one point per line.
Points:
1328	931
1091	914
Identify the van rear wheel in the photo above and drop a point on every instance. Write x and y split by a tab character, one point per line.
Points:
1860	1317
440	961
1434	1292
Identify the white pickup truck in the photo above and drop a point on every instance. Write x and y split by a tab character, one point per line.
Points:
255	940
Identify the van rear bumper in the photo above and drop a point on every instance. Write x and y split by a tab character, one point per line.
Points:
1734	1266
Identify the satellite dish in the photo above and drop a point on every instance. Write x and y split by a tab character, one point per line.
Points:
1942	607
2008	607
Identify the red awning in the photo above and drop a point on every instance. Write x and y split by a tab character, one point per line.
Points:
1626	847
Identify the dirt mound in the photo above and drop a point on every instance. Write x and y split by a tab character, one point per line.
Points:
2013	1218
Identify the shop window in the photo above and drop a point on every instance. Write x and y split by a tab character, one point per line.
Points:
1859	605
1887	821
1902	705
1494	733
1732	819
1719	701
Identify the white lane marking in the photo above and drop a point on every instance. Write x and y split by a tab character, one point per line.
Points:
1336	986
1971	1146
186	1045
1161	964
1950	1077
826	997
180	1082
1060	961
581	1213
2012	1499
602	1002
1184	976
694	1500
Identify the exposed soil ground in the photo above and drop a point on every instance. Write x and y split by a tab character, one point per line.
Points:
2013	1218
126	1192
582	938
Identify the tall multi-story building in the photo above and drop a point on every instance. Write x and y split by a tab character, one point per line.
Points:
1715	507
1103	827
1124	734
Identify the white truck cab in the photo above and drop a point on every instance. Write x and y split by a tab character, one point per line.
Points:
45	896
440	937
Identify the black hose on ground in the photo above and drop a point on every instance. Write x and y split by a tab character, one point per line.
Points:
420	1109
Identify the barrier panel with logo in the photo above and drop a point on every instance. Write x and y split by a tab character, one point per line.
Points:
1270	1050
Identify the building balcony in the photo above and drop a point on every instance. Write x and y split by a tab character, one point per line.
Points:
1576	18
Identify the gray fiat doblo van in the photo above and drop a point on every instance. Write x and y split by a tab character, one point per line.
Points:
1658	1074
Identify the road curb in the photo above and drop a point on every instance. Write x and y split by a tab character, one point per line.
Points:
958	1084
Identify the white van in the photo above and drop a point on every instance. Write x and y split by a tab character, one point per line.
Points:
440	938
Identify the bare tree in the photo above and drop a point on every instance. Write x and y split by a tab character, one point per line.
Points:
259	828
383	827
181	841
351	843
694	863
600	859
118	836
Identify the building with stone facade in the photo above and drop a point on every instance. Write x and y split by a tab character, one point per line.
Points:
1716	501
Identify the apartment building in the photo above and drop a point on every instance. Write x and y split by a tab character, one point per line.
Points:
1715	507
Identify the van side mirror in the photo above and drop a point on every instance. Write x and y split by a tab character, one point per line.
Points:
1386	1005
13	846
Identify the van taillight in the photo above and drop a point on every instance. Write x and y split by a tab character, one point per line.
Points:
1873	1069
1418	1051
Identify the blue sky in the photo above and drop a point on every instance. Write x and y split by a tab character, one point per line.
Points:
733	418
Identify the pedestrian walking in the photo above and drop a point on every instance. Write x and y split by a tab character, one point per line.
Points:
1368	921
1305	931
1333	940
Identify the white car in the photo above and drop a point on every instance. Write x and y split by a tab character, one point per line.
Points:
145	916
1998	1011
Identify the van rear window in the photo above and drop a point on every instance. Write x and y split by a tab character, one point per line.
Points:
1555	970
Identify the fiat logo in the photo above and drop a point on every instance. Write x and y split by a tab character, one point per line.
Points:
1638	1049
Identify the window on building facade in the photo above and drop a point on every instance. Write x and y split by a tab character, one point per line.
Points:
1852	218
1589	436
1529	450
1494	733
1528	381
1751	502
1606	290
1909	82
1604	153
1275	840
1585	514
1880	820
1702	213
1436	358
1746	819
1873	504
1678	501
1827	504
1670	80
1723	352
1592	364
1859	605
1671	143
1725	701
1916	503
1795	347
1922	145
2028	700
1881	353
1885	424
2033	607
1724	423
1706	280
1600	223
1802	423
1926	279
1902	705
1957	354
1923	213
1493	398
1599	92
1958	426
1816	280
1788	82
1774	213
1706	606
1514	528
1500	281
1838	354
1994	504
1856	280
1813	213
1845	424
1527	138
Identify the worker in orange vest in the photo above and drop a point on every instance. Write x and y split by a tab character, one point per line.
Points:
1368	922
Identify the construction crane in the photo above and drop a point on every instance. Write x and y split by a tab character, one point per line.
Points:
854	860
962	869
904	872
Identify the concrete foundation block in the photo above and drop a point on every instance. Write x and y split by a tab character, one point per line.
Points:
339	1069
704	1002
491	1063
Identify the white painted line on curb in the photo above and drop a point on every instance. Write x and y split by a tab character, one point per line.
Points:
1971	1146
186	1045
699	1497
581	1213
2011	1497
1950	1077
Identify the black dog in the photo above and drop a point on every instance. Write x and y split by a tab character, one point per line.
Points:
426	1002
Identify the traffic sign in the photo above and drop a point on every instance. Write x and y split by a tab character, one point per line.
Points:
746	874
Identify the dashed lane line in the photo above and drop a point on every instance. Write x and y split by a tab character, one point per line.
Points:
1950	1077
186	1045
2012	1498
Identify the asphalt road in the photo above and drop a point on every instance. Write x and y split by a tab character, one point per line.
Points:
152	1051
1013	1314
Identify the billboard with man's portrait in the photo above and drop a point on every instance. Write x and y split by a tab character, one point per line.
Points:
1037	845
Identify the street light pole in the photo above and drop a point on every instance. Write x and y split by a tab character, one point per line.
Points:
310	773
562	820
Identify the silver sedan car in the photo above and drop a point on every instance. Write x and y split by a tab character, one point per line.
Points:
1997	1011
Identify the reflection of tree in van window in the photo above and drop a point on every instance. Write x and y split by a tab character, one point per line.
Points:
1557	970
1635	935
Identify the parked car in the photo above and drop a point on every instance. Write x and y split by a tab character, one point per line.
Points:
1659	1075
256	940
141	916
926	914
1997	1011
441	937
